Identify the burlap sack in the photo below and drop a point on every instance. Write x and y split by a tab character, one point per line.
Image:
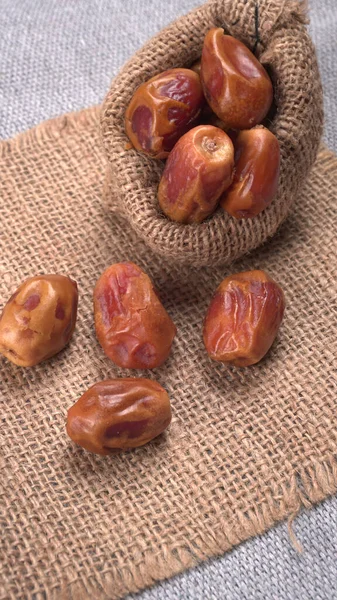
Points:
246	447
275	30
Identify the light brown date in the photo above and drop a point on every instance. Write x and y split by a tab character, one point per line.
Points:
162	110
243	318
236	85
132	325
198	170
257	169
119	414
39	319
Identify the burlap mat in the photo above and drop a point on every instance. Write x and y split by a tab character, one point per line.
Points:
246	447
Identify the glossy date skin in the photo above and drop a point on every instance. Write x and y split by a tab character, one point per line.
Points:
131	323
162	110
236	85
39	319
243	318
198	170
257	169
119	414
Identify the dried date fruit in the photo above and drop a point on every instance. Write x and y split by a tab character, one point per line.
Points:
119	414
198	170
257	169
236	85
243	318
162	110
131	323
39	319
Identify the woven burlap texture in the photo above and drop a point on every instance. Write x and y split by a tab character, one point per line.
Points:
275	29
246	447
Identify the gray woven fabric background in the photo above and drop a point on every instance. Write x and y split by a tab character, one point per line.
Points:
60	55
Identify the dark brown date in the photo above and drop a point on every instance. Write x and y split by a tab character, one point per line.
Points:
132	325
243	318
119	414
162	110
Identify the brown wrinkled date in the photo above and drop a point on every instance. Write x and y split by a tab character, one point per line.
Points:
119	414
132	325
39	319
243	318
162	110
236	85
198	170
257	169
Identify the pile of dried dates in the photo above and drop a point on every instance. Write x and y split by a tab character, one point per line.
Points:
206	121
205	167
135	332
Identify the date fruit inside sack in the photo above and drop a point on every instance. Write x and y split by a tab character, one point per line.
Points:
230	91
197	172
163	109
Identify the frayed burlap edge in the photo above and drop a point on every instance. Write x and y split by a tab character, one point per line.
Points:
306	488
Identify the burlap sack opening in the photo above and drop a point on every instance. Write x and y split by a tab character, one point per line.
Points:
275	30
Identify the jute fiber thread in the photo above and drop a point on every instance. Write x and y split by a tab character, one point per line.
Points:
246	447
275	30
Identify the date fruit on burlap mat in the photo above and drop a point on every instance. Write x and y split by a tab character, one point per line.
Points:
246	448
